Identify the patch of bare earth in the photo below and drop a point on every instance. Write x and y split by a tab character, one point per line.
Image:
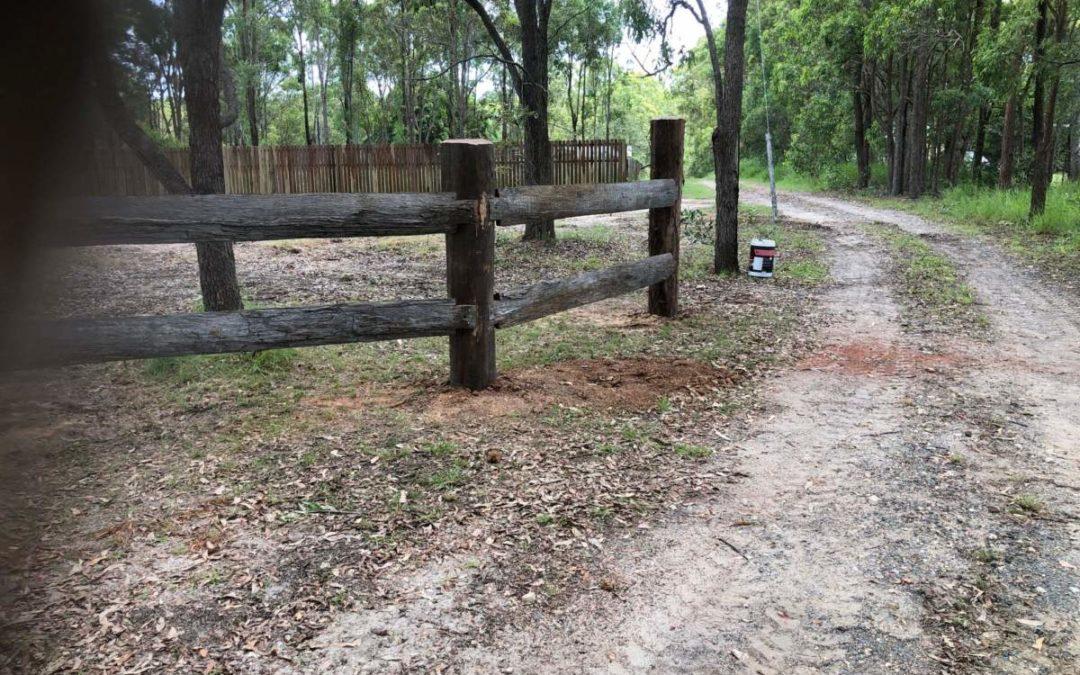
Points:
877	358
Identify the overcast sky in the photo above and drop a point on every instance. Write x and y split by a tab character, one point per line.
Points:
685	32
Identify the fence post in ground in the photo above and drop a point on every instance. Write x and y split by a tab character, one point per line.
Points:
666	134
468	170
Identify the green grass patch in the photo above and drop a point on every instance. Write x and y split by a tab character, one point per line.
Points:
991	209
930	281
1028	504
690	451
243	367
699	188
440	448
444	479
806	271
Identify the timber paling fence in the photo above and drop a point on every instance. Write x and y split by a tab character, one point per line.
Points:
467	210
291	169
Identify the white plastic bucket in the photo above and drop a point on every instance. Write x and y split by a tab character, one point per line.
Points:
762	256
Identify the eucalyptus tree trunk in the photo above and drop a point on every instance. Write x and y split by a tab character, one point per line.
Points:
303	88
534	99
725	138
529	76
1008	143
199	37
1043	161
900	128
1074	148
248	51
915	161
860	96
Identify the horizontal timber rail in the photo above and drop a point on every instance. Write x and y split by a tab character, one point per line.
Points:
186	219
514	206
58	342
466	211
551	297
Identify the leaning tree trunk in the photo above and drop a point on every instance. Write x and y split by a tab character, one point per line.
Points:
199	37
726	142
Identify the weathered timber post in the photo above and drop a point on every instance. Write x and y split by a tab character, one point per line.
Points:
468	170
666	134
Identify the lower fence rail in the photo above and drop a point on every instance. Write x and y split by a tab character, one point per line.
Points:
552	297
45	343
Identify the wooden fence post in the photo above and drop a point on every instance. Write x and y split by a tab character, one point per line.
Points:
468	170
666	134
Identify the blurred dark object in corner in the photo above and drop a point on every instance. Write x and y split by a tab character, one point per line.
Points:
44	105
44	113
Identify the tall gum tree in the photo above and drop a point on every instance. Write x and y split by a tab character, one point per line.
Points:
1055	15
199	35
727	98
529	78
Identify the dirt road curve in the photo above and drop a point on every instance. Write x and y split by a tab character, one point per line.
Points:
910	505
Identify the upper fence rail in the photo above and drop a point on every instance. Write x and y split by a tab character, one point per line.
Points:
97	221
294	169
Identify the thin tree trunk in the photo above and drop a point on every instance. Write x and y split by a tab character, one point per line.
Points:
302	67
915	162
248	47
1043	162
505	109
900	134
199	23
323	62
1008	143
726	142
607	93
860	101
1040	73
571	99
1074	148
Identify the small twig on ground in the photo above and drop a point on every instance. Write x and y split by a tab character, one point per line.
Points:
733	547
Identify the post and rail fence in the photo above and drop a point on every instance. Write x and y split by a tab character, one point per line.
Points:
467	210
293	169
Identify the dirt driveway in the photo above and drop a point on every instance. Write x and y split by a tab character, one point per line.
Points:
909	504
